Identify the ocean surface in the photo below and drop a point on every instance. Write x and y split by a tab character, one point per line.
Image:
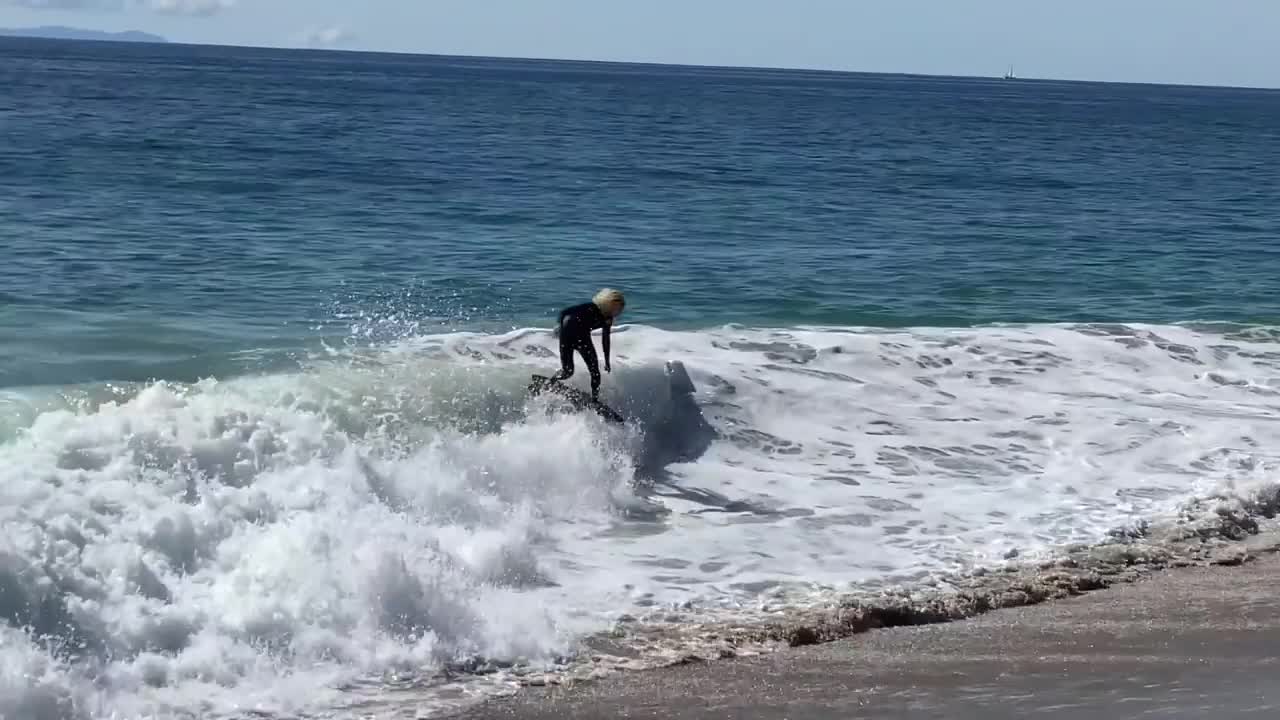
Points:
267	318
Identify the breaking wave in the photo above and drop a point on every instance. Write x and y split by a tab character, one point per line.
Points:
283	543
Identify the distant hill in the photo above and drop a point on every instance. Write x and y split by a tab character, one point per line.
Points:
58	32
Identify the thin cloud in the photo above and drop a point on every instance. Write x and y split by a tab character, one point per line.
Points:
327	37
198	8
189	7
66	4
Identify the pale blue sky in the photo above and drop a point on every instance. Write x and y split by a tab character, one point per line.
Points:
1227	42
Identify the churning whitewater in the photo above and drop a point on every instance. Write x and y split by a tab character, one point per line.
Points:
276	543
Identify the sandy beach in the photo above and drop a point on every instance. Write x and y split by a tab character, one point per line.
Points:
1186	642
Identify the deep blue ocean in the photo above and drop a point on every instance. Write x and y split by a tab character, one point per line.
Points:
163	204
267	319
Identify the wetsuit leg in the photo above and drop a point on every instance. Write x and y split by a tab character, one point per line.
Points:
567	345
588	351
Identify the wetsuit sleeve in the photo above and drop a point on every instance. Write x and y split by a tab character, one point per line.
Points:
604	343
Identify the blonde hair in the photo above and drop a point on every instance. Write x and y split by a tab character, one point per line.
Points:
608	299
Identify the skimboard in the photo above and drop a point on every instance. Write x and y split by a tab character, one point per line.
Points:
579	399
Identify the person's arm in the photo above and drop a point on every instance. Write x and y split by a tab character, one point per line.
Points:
604	344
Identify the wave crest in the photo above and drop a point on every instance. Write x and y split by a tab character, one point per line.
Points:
382	515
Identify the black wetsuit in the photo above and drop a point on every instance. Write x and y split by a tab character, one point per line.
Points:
575	325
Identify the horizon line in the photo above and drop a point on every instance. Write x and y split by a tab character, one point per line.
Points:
641	63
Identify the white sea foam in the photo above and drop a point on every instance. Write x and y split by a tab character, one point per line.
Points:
272	542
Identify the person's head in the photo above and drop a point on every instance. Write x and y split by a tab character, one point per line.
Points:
610	302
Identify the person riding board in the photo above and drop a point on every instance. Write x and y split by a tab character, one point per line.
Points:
575	325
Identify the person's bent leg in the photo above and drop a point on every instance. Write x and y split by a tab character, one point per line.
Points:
566	356
588	351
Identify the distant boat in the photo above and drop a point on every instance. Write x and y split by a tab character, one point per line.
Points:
1009	75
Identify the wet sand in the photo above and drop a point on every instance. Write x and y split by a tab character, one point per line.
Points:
1190	642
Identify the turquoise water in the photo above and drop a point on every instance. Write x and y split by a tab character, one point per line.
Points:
267	320
165	208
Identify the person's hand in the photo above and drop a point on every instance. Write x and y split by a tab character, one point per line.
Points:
607	368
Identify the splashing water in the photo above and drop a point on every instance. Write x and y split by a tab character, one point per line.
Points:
269	543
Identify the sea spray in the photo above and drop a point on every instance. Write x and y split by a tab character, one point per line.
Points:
389	516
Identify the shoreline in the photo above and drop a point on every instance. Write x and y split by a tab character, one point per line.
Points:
847	647
1190	642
